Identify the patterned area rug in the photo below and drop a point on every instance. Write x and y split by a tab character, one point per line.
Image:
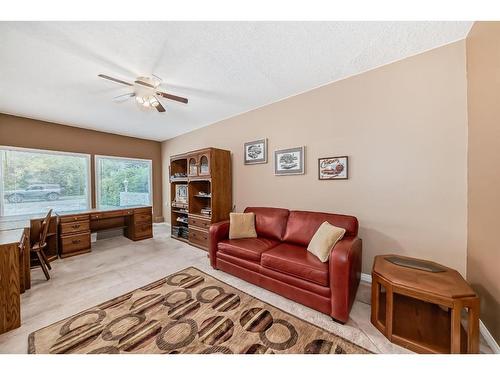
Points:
187	312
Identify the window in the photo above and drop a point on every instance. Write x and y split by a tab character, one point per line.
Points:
34	181
123	182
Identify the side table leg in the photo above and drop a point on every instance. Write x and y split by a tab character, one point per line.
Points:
389	311
455	328
375	299
473	327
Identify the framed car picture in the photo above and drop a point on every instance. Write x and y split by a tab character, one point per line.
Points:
256	152
289	161
334	168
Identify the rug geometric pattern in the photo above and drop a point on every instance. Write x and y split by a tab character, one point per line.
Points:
186	312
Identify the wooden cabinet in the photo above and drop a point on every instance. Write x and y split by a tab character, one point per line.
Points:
209	184
10	300
140	225
74	235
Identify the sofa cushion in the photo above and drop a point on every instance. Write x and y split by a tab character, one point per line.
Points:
242	225
270	222
246	248
296	261
303	224
324	239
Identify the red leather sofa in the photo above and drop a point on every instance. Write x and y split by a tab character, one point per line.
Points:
278	259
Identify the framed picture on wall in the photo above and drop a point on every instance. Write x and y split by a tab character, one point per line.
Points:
256	152
333	168
289	161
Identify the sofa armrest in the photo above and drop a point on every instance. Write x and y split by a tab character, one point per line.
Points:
345	273
218	232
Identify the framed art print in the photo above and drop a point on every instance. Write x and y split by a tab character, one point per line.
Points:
256	152
181	193
334	168
289	161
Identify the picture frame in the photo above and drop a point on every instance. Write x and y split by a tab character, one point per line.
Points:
290	161
333	168
255	152
181	193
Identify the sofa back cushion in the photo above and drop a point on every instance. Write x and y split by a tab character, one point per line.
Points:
270	222
303	224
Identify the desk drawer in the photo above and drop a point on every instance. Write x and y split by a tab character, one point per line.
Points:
73	218
143	230
75	227
108	215
144	210
143	218
198	237
75	242
200	223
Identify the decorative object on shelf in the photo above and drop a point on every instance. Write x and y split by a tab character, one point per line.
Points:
180	231
289	161
181	193
256	152
181	219
333	168
179	175
206	211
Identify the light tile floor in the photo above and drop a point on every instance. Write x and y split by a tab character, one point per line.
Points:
118	265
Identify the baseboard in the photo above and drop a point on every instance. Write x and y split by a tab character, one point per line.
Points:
367	278
489	338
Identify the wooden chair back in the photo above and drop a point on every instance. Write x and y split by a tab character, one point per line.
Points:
45	229
22	243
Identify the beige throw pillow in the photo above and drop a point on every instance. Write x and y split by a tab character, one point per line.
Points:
242	225
324	239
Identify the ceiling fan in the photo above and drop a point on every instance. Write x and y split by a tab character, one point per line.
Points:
146	92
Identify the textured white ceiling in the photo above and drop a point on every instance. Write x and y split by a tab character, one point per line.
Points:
48	70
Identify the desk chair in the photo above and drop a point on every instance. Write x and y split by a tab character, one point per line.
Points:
42	244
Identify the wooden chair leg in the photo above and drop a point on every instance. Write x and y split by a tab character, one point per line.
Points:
42	264
46	260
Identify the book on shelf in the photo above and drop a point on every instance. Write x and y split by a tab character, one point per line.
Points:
206	211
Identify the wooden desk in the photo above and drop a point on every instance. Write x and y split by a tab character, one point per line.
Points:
75	227
14	277
421	310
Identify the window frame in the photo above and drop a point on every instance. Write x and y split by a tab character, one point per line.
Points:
88	159
98	170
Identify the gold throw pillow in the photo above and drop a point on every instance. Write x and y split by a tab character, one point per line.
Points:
324	239
242	225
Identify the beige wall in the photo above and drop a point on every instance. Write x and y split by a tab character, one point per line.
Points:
483	251
404	128
24	132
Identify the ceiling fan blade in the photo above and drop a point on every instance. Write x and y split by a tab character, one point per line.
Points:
142	83
172	97
158	106
158	78
124	97
114	79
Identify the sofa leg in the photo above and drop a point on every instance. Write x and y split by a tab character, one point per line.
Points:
337	321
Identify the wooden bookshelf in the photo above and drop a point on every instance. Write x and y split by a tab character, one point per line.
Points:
207	175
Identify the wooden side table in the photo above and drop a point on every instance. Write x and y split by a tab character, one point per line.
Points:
421	310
